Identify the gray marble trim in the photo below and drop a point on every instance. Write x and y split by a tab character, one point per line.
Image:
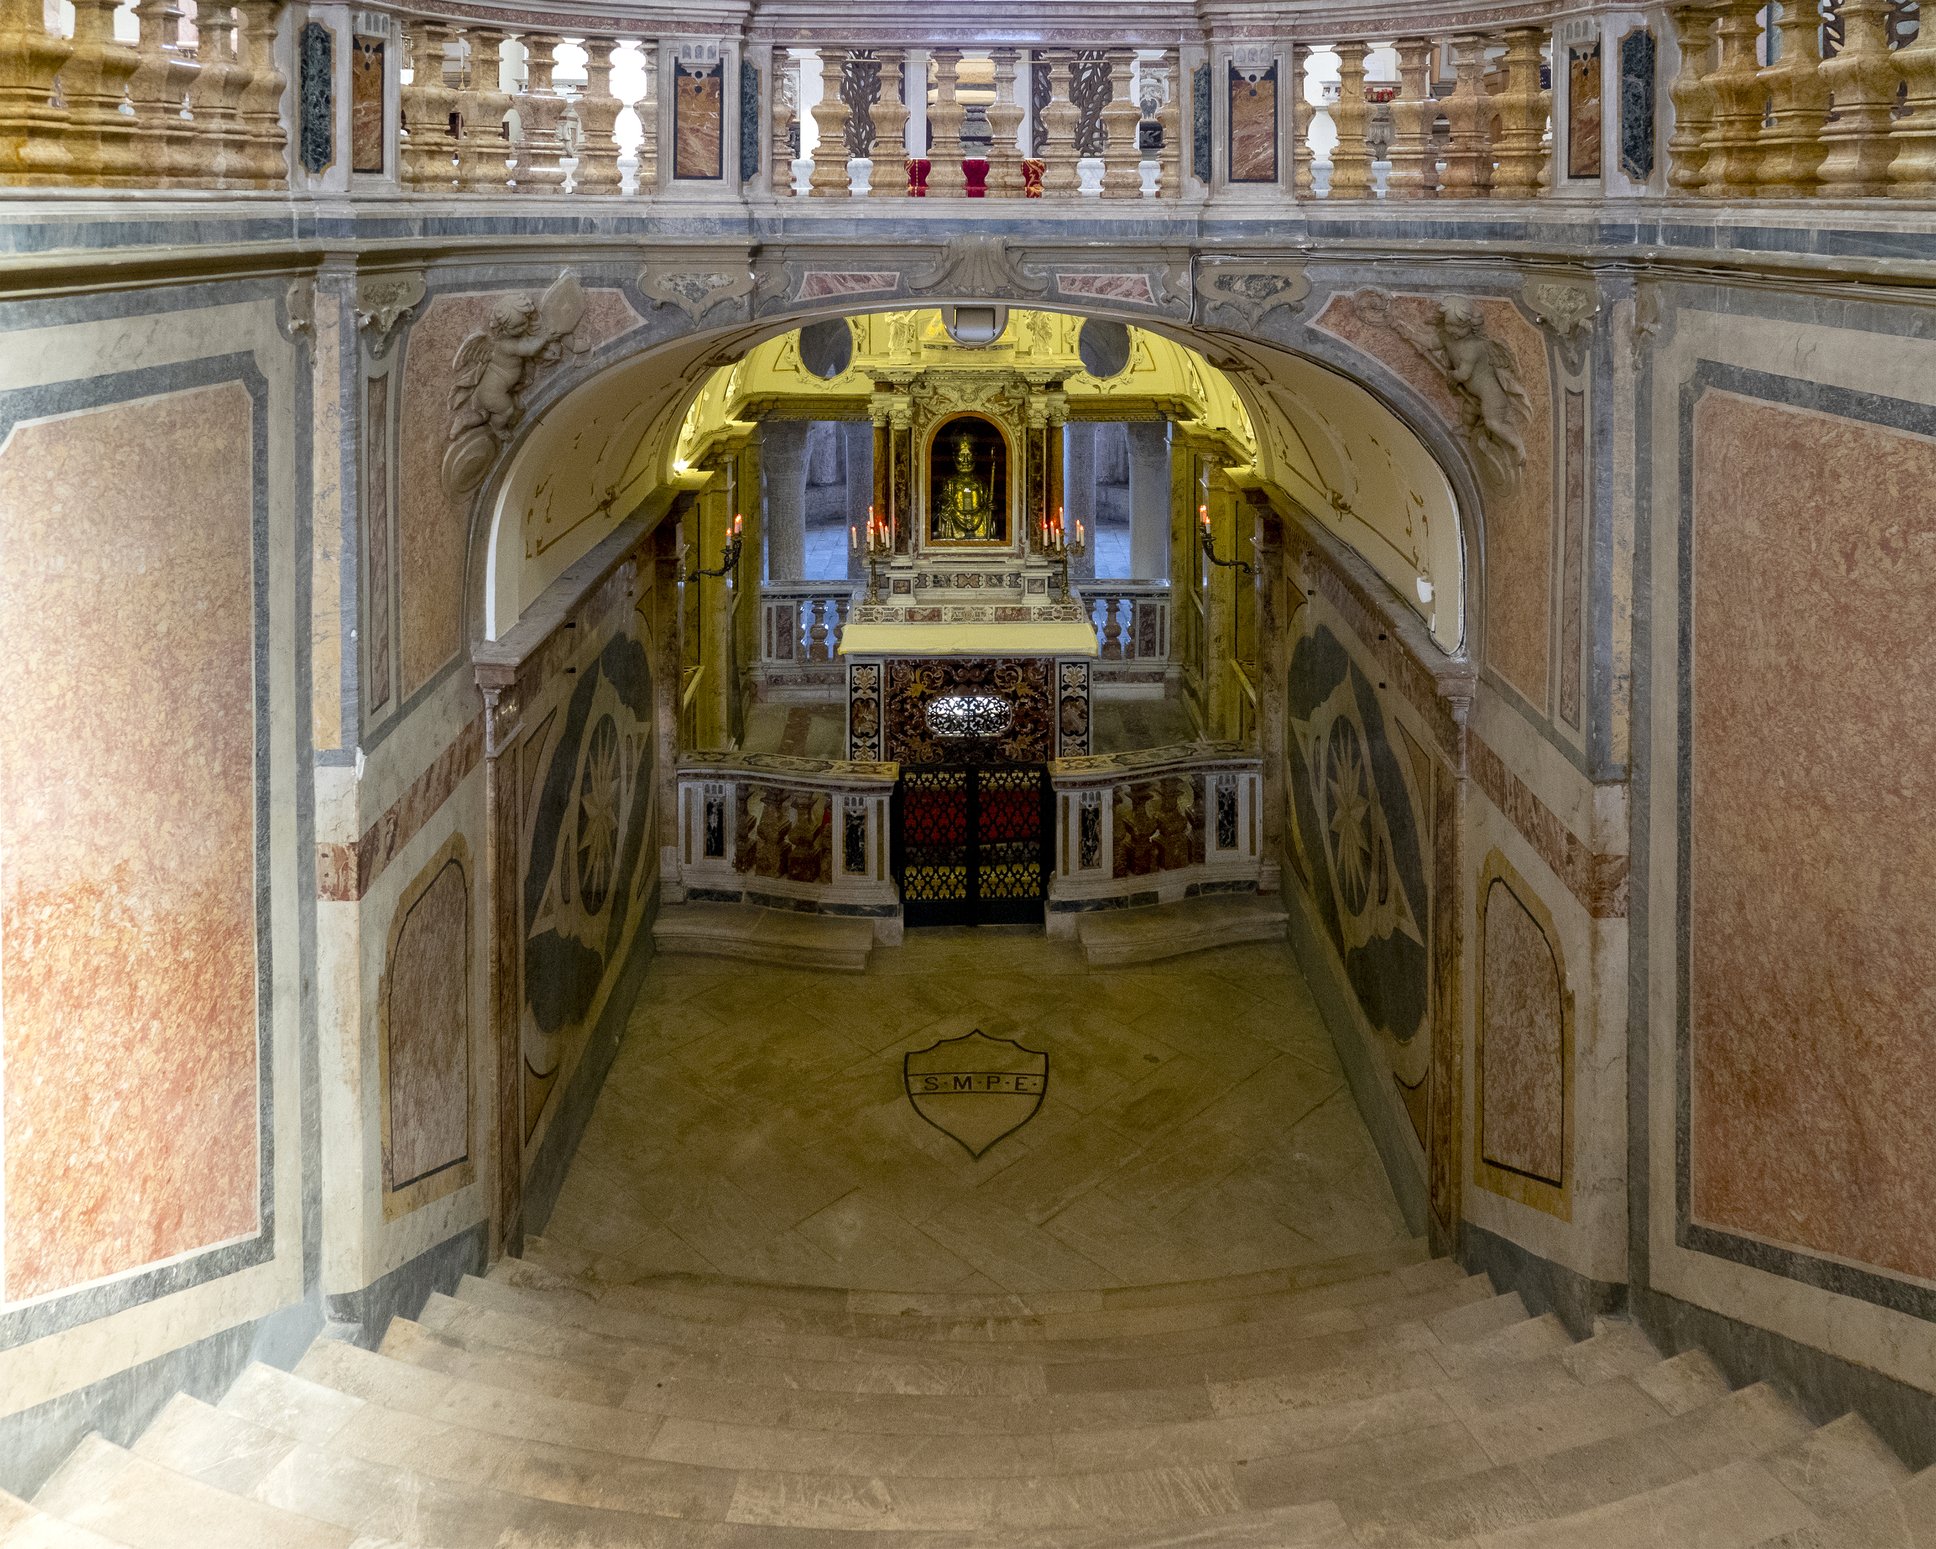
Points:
1842	1279
1601	563
84	1304
349	494
1576	1299
1339	1008
360	1317
309	1037
546	1175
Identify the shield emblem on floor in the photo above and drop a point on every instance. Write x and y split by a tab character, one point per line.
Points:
976	1089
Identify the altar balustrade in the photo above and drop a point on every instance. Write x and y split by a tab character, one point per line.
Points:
800	629
787	833
1153	826
1132	620
1844	108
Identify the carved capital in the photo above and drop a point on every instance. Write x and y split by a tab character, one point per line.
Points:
1250	290
381	302
1566	310
693	289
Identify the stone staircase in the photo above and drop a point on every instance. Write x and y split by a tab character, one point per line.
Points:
1385	1400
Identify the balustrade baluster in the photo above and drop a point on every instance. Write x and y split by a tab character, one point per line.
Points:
33	132
1468	162
890	176
597	171
1169	124
830	115
842	606
786	114
1351	161
1122	176
541	111
1733	161
214	96
1302	183
645	176
164	140
1059	151
93	83
1519	170
1791	143
1414	160
1004	124
1863	79
483	159
1693	97
1912	175
1112	630
946	179
259	106
818	649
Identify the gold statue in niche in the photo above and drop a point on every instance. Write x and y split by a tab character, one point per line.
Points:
967	483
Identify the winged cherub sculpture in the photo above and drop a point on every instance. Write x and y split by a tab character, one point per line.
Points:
493	368
1478	368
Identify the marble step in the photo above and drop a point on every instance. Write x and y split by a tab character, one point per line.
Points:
786	938
145	1505
1903	1516
1862	1494
727	1294
616	1310
1248	1308
25	1526
1113	937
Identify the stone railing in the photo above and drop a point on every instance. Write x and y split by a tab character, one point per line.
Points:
800	628
1132	620
789	833
1153	826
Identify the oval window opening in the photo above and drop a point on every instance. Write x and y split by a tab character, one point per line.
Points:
970	715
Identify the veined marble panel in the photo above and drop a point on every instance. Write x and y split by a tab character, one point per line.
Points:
127	818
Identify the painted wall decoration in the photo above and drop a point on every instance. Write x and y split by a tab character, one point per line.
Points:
1524	1021
1638	64
1520	520
1073	713
1572	644
587	854
864	712
378	561
1356	829
1253	123
1159	826
425	1036
1583	111
786	834
130	1037
316	93
366	106
1808	775
698	120
1027	684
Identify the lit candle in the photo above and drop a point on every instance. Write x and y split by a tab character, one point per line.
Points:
1078	534
1203	513
853	537
738	522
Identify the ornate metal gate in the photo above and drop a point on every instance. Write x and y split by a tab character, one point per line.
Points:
974	846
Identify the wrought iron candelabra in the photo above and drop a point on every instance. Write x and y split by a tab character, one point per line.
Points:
728	557
1209	544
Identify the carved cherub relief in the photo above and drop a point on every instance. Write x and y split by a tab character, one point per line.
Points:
493	368
1478	368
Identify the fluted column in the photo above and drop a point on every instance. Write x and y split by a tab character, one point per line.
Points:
33	132
598	109
1693	98
830	115
1122	176
1912	175
1059	151
1414	162
213	98
260	105
541	110
1863	79
1733	161
1351	161
890	175
1519	170
1791	148
1004	124
94	81
164	140
1468	165
483	159
946	180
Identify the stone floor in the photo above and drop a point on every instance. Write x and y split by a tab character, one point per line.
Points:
1195	1123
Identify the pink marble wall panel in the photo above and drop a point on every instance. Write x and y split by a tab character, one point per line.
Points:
698	128
1522	1072
433	528
1253	126
1519	520
427	1028
366	105
1812	950
127	818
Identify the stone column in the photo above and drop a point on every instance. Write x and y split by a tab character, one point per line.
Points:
857	452
1079	491
1220	715
783	496
1149	500
713	598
